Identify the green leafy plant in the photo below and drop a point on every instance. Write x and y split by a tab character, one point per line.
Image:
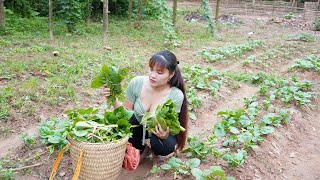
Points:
203	78
180	167
28	140
302	36
211	25
164	115
194	102
89	126
213	173
311	62
290	15
235	159
168	29
112	77
217	54
71	11
197	148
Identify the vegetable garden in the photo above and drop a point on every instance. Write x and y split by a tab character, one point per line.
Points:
252	86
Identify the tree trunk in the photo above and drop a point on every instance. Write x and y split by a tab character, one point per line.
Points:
2	17
217	12
105	21
50	21
130	14
88	12
174	15
137	21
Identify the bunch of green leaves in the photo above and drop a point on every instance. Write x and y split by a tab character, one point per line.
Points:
302	36
89	126
236	159
112	77
180	167
211	26
292	91
168	29
28	140
203	78
54	131
194	102
311	62
164	115
217	54
214	172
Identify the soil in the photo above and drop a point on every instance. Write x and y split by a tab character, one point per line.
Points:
292	152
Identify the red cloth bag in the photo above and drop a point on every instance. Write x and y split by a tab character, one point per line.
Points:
131	158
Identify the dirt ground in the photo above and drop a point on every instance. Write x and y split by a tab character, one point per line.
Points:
291	153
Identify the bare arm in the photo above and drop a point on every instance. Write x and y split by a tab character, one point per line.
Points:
127	104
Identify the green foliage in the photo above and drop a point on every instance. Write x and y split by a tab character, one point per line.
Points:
112	77
168	29
217	54
302	36
290	15
164	115
194	102
28	140
21	7
203	78
71	12
89	126
214	172
5	96
311	62
6	174
317	24
197	148
53	132
211	26
180	167
236	159
291	91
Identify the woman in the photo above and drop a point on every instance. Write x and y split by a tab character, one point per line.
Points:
145	93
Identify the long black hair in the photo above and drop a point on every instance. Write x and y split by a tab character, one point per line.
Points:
168	60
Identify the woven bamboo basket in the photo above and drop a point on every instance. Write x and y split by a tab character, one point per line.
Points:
100	160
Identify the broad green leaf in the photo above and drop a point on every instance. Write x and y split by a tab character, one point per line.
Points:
97	82
80	133
192	163
234	130
197	173
175	162
165	167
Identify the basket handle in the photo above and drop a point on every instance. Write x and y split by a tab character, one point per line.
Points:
58	160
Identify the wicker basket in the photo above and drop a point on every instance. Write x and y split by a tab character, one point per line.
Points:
100	160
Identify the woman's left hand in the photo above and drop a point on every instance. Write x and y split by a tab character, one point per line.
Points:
161	133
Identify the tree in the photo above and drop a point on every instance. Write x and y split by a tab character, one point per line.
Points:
174	14
2	17
217	12
130	14
88	11
105	21
50	21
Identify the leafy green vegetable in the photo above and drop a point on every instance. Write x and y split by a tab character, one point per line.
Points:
164	115
112	77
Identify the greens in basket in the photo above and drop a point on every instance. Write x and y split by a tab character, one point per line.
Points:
112	77
166	116
87	125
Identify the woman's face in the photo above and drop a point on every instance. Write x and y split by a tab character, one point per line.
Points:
159	76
